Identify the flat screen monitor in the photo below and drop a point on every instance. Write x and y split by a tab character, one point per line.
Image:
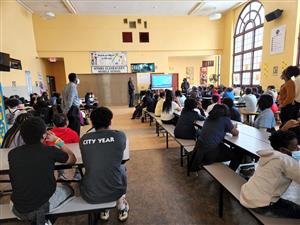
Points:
142	67
161	81
4	62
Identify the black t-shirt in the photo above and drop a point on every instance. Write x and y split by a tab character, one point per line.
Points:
31	173
185	127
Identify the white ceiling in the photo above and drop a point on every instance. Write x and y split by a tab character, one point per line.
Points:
130	8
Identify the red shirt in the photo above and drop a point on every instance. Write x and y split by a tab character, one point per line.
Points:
66	134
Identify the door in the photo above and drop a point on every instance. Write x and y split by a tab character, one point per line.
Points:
51	84
175	81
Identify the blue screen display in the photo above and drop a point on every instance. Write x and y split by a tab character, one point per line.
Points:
161	81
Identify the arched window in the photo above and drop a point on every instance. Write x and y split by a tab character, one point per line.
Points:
248	40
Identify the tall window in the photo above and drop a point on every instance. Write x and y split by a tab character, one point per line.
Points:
248	40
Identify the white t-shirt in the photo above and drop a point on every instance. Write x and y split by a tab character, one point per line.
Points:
210	107
251	102
166	116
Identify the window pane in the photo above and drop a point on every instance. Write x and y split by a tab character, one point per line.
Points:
246	10
237	63
253	15
248	40
262	14
257	21
236	79
259	37
247	61
256	78
257	59
246	79
238	26
255	6
238	44
242	27
249	26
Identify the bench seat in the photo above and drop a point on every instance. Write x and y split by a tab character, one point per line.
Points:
75	206
232	182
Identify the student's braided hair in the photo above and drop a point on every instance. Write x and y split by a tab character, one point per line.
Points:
11	133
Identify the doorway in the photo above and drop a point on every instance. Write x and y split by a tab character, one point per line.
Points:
51	84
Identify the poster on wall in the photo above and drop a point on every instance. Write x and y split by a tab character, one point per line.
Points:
41	83
3	122
28	82
189	70
109	62
203	75
277	40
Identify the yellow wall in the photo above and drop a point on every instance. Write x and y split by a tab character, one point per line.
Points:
56	69
290	18
17	39
73	37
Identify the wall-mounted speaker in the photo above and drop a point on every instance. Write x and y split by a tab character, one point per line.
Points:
274	15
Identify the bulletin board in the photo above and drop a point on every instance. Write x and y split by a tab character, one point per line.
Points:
3	123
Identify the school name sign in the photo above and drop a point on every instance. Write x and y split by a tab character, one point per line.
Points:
109	62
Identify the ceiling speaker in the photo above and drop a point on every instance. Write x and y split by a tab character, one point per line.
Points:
274	15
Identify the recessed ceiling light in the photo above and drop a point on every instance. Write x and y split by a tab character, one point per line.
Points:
50	14
215	16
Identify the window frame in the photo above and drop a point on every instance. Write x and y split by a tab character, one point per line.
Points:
252	50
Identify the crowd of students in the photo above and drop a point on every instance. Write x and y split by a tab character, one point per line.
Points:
35	150
36	143
277	167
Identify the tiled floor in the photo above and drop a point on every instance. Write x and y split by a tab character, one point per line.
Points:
159	192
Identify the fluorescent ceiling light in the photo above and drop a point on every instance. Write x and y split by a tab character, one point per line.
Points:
69	6
196	8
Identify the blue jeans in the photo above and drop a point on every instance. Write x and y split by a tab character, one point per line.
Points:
282	208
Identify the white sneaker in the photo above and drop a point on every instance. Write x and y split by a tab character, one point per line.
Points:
123	214
48	222
104	215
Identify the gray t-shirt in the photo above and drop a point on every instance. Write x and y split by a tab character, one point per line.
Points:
105	177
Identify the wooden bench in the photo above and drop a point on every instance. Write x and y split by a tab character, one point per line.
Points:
76	206
182	142
233	182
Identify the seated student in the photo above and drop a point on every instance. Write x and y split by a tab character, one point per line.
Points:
276	170
250	101
229	93
179	98
31	171
266	117
104	152
68	136
147	101
14	108
234	114
12	137
169	108
214	101
185	128
209	147
42	110
159	104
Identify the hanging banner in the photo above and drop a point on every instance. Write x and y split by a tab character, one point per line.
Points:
3	122
109	62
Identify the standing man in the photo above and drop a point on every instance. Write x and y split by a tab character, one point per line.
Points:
131	92
71	103
185	85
